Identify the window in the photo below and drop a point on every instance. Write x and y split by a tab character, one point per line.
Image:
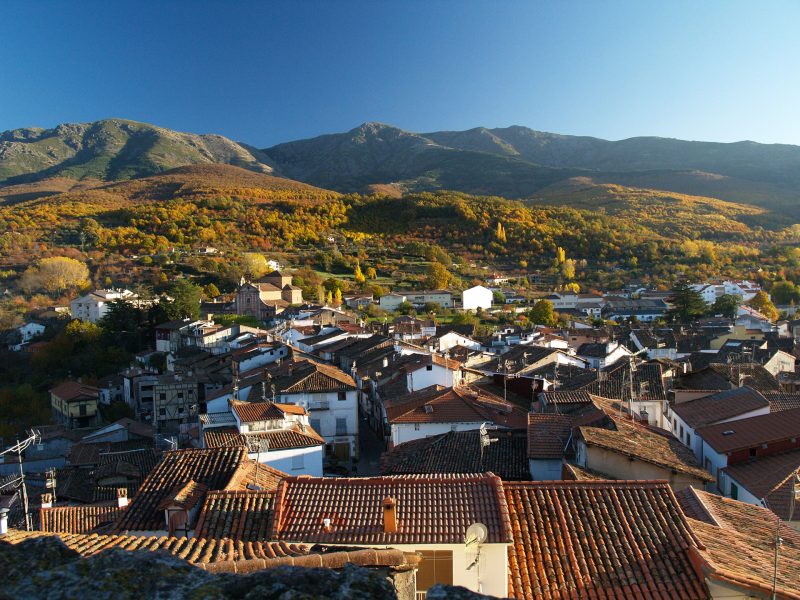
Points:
314	424
298	462
429	367
734	491
688	439
435	567
753	452
82	410
681	431
342	396
341	426
162	396
416	426
180	395
162	412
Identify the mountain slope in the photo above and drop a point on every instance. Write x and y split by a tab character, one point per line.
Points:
374	153
113	149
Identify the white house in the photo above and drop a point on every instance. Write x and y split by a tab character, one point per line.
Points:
453	339
93	306
602	355
26	333
476	297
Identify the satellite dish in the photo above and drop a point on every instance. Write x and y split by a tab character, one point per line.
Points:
476	534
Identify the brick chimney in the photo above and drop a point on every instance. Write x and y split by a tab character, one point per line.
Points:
122	497
47	500
389	515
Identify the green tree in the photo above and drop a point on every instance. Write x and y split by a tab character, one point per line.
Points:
687	302
784	292
726	305
542	313
764	305
498	297
211	291
185	303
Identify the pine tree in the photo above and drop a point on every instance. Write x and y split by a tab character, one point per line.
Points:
687	302
337	299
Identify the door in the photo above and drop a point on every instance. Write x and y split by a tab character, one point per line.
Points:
435	567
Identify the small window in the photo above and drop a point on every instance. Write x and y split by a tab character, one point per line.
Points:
342	396
688	439
753	452
162	412
162	396
180	410
180	395
416	426
341	426
429	367
734	491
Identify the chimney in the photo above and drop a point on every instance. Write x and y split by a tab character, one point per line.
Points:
3	521
389	515
47	500
385	361
122	497
326	524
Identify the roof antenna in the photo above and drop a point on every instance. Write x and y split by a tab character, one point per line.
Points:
486	441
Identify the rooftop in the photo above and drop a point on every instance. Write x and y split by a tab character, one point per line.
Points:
548	434
430	509
599	539
753	431
720	406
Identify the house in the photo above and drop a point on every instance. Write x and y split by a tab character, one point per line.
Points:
727	444
85	519
25	334
549	435
429	515
599	355
645	310
736	548
476	297
722	407
718	376
599	539
462	452
75	405
94	306
170	498
392	301
265	298
634	451
435	410
358	301
772	481
329	395
410	328
452	339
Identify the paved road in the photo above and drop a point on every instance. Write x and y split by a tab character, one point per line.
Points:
370	450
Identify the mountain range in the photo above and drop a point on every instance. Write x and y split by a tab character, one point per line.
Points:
514	162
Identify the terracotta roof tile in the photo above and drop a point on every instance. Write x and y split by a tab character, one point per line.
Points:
460	452
720	406
752	431
780	401
74	390
213	467
647	445
738	543
771	478
218	437
238	515
599	539
250	412
548	434
78	519
184	496
431	509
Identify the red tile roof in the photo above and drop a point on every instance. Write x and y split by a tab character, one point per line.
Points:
461	404
431	509
184	496
771	478
243	516
599	539
738	543
73	390
547	435
78	519
213	467
250	412
752	431
218	437
720	406
648	445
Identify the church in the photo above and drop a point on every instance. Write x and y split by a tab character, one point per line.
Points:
267	297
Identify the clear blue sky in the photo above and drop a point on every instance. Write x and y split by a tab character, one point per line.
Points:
267	72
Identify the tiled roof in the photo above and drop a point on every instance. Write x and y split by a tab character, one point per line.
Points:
78	519
430	509
73	390
738	543
218	437
566	397
252	474
184	496
547	435
243	516
779	401
638	441
719	376
765	477
461	404
196	550
251	412
753	431
460	452
283	439
599	539
719	407
213	467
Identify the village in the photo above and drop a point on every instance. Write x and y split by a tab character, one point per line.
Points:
514	462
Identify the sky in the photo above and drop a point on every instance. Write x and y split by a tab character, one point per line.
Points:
269	72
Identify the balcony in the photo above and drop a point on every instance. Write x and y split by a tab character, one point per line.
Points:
319	405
